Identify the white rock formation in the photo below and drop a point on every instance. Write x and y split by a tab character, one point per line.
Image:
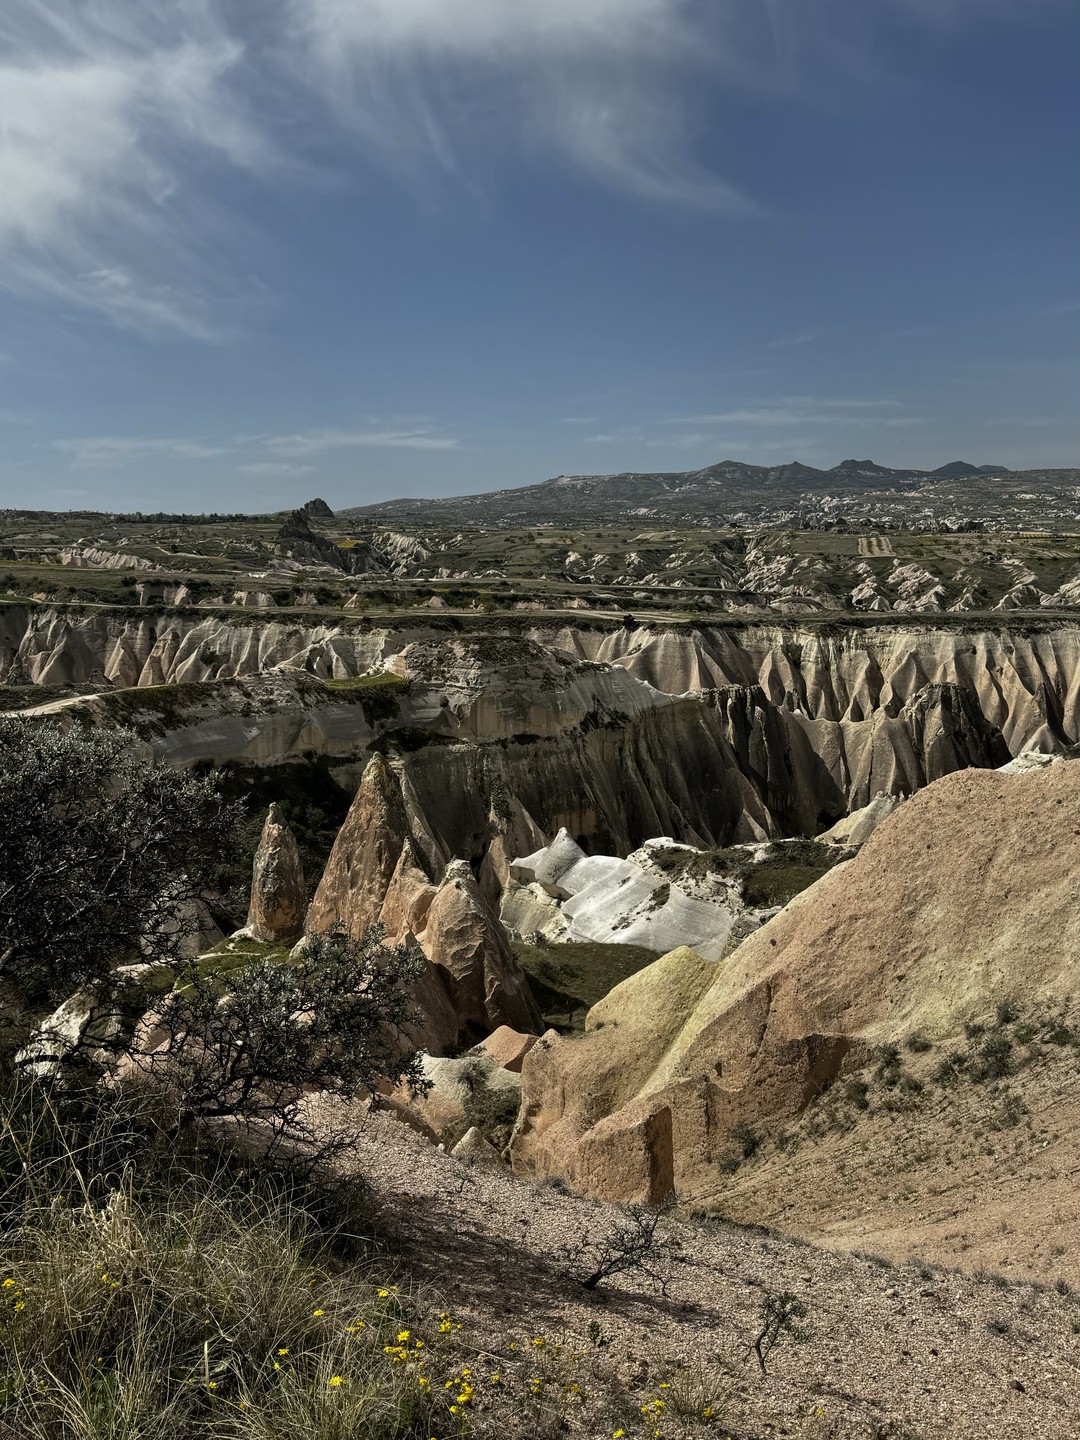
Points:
611	901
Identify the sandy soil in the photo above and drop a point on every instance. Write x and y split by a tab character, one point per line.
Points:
947	1183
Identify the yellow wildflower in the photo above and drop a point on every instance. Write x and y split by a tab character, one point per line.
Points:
335	1382
316	1314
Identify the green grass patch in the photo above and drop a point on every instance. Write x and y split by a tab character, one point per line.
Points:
785	870
567	980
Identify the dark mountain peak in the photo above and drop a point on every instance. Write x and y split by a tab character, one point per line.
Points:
954	470
318	509
860	467
795	470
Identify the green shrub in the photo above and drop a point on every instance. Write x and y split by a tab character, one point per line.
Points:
746	1139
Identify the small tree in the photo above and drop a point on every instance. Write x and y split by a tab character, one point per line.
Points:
245	1047
635	1243
104	856
779	1315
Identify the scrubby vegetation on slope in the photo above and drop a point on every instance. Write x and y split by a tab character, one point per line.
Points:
569	978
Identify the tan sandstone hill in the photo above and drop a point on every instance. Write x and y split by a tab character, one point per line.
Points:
964	899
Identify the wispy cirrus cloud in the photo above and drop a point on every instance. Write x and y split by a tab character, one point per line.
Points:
800	422
803	410
108	111
97	452
596	84
265	455
125	123
315	442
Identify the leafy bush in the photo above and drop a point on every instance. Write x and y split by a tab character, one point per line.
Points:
246	1046
104	856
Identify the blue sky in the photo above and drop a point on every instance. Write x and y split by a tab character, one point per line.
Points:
366	248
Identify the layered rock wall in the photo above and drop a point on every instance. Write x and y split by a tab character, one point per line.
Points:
710	734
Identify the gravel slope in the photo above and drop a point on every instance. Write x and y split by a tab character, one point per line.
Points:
894	1351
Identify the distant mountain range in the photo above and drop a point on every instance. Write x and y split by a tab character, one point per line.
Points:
717	492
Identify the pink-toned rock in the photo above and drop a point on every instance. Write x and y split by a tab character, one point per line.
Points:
463	937
364	857
278	891
378	873
508	1047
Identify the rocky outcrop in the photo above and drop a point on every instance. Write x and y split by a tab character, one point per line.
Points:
365	856
463	937
508	1047
278	890
475	1149
856	828
297	540
378	874
967	896
662	897
452	1088
92	558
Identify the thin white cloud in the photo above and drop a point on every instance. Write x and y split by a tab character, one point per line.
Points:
314	442
787	342
96	452
599	83
265	455
121	119
275	468
801	410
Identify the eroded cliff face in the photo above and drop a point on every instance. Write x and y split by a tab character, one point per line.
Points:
502	734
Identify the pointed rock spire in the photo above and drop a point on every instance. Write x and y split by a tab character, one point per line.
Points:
278	891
